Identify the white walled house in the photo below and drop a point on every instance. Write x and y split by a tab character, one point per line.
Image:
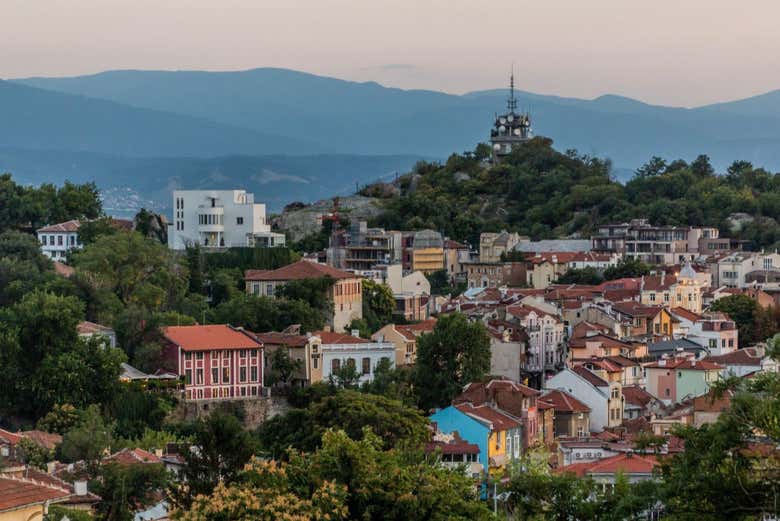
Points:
604	398
338	350
219	219
58	239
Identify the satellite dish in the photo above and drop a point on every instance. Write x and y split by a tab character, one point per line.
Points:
502	120
517	132
510	118
502	128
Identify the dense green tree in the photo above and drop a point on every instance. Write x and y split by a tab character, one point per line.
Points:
627	267
89	231
587	275
226	284
61	419
88	440
349	410
127	489
224	447
378	305
283	367
266	314
455	353
742	309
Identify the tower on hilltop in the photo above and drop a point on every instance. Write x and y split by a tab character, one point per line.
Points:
509	129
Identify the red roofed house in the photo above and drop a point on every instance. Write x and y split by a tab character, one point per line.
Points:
404	338
602	397
714	331
25	499
684	290
216	361
298	347
572	417
58	239
133	457
637	402
635	467
346	294
544	269
674	379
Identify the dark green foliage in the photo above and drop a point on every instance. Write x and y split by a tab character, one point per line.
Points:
349	410
455	353
628	267
313	292
226	283
440	282
543	193
250	258
32	208
127	489
283	367
134	409
45	360
396	383
88	440
267	314
89	231
378	305
743	310
224	447
60	419
587	275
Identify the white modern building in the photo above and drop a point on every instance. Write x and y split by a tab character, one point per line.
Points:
742	269
219	219
58	239
338	350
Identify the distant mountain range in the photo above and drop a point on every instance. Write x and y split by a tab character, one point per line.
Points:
148	127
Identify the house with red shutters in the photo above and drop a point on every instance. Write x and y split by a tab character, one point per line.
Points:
217	362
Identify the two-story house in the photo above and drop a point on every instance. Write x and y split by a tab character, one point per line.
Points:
572	417
57	240
604	398
404	338
674	379
216	361
684	290
333	351
345	295
714	331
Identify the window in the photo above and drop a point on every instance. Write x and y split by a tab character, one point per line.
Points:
242	353
713	343
652	297
366	365
269	289
239	220
215	375
242	374
188	377
199	377
199	355
351	363
315	363
72	240
59	240
225	375
253	374
335	365
667	392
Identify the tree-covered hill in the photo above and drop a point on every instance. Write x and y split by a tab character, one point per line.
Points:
543	193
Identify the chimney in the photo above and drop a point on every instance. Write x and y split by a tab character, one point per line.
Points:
355	333
326	329
158	453
663	277
80	487
50	467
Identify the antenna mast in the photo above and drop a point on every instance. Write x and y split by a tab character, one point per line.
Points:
511	103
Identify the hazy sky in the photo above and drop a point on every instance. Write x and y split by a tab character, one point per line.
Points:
682	52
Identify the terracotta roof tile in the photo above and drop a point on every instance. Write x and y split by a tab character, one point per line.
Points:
330	337
67	226
624	463
564	402
132	457
206	338
686	314
286	339
488	415
684	363
590	376
635	395
744	356
90	328
19	492
299	270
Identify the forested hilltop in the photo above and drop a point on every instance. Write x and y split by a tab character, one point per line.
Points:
543	193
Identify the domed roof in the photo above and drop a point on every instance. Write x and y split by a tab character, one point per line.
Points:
687	272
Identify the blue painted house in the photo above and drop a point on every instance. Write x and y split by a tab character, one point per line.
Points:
451	419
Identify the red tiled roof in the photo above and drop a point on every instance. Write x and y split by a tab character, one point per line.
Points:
744	356
329	337
454	245
9	437
499	420
206	338
454	447
19	492
299	270
47	440
635	309
635	395
581	329
710	403
590	376
655	282
564	402
67	226
684	363
561	257
90	328
285	339
589	256
624	463
605	340
132	457
686	314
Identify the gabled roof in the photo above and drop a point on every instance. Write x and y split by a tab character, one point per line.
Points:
590	376
686	314
553	257
635	395
626	463
299	270
412	331
67	226
635	309
282	339
744	356
581	330
330	337
488	416
665	346
91	328
659	283
562	401
605	340
684	364
16	492
207	338
132	457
